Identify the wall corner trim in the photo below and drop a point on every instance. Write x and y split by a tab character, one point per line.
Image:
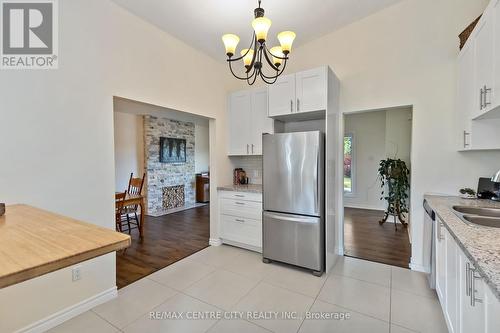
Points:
70	312
215	241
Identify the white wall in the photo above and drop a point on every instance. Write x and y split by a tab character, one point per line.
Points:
406	55
398	123
56	131
368	129
201	148
129	148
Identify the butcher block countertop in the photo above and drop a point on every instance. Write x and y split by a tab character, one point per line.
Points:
34	242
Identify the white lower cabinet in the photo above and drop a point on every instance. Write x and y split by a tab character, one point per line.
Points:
440	260
240	216
468	303
452	282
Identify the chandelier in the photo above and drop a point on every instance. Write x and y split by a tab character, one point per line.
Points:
258	52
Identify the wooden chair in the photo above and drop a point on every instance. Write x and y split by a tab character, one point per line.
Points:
119	209
134	188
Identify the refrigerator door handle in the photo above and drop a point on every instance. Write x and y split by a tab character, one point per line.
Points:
294	218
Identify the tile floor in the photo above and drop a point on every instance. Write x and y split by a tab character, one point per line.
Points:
376	297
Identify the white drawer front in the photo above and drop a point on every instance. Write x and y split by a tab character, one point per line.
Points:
241	196
243	208
242	230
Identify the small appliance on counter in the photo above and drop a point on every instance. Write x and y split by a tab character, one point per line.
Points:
2	209
240	177
487	189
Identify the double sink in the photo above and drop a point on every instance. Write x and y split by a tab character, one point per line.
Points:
488	217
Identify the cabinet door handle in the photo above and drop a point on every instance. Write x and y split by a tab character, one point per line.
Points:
252	147
467	279
240	203
440	235
481	99
485	96
247	148
473	278
291	106
298	105
239	195
465	139
240	220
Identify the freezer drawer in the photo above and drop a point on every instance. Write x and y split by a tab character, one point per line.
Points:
294	239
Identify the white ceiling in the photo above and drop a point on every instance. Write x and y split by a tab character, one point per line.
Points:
201	23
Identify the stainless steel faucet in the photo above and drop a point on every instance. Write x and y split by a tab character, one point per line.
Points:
496	179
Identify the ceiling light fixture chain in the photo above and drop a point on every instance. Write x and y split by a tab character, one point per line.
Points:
253	57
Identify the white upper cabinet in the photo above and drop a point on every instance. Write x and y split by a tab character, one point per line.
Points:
495	94
300	92
466	97
311	90
247	121
282	96
238	119
483	45
259	122
478	93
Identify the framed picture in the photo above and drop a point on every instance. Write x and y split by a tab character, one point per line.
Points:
172	150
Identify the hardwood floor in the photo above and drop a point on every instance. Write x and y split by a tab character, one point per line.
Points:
364	238
167	239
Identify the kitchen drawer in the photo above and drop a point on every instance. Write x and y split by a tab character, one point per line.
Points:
241	196
243	208
242	230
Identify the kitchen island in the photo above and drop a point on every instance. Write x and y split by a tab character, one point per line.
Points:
34	242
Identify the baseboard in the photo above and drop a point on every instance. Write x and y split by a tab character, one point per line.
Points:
418	268
215	241
363	207
70	312
242	245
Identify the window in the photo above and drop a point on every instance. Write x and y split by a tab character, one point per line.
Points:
348	163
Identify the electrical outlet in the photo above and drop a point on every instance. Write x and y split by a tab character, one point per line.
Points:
77	273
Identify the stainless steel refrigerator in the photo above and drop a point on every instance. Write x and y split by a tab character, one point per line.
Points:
294	197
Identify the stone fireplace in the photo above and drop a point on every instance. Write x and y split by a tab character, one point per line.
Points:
169	185
173	197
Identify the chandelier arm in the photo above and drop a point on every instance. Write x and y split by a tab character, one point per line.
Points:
236	76
249	77
269	60
248	50
263	77
282	58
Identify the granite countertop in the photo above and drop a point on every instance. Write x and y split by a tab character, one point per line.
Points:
480	244
250	188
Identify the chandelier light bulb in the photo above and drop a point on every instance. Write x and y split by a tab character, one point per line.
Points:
247	58
277	53
230	42
261	27
286	40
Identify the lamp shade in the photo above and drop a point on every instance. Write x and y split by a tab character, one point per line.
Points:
286	40
230	42
261	27
247	59
496	177
277	52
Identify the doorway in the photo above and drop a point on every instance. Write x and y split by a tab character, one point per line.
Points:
372	139
169	149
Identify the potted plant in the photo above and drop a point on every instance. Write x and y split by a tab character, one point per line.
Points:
395	184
